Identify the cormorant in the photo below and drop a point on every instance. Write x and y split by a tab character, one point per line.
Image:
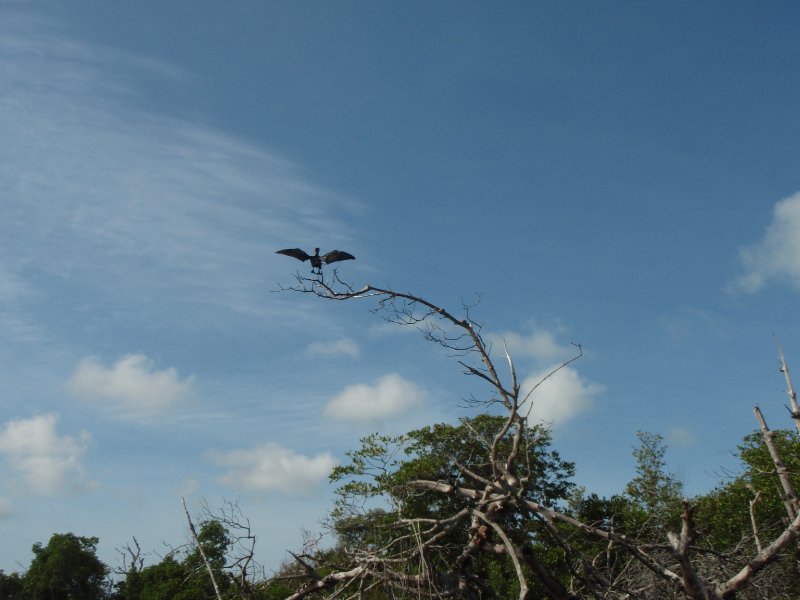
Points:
316	260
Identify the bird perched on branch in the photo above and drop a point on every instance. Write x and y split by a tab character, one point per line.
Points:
316	260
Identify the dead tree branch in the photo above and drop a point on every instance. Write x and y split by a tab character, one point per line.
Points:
488	509
193	531
794	409
789	493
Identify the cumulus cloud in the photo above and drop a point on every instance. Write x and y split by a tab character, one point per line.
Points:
344	346
539	344
131	384
777	255
390	396
560	397
270	467
47	462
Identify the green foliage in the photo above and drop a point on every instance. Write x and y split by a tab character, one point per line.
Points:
723	514
66	568
760	471
653	488
11	586
650	506
655	494
439	452
375	492
383	466
162	581
184	577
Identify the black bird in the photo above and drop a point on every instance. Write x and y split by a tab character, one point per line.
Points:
316	260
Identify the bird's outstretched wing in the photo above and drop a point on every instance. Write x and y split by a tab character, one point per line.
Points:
295	253
337	255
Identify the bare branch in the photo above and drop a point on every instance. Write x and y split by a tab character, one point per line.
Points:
202	552
136	559
761	560
795	409
752	504
549	375
790	495
513	553
681	543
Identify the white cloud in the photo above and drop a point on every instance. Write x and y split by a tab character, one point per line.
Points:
539	344
131	384
47	461
390	396
344	346
270	467
559	398
777	255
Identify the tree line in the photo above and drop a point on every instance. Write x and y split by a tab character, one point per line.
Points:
730	522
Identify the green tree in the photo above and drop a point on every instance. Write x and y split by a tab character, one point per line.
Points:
184	576
377	492
653	488
164	580
65	569
747	512
723	515
11	586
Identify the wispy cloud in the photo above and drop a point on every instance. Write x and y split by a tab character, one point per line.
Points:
270	467
132	385
15	291
390	396
776	257
344	346
94	185
560	397
685	323
12	286
47	462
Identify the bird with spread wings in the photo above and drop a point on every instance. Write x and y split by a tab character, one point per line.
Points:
316	260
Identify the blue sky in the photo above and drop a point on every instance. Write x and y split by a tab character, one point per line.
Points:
623	175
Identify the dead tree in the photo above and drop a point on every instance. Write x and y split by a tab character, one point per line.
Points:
486	505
